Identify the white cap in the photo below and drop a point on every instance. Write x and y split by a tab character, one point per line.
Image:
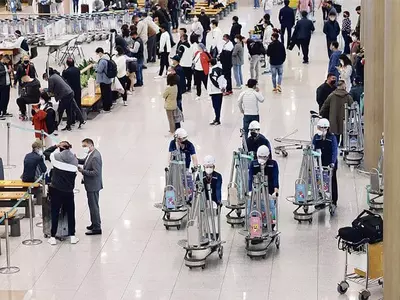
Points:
254	125
323	123
209	160
181	133
263	151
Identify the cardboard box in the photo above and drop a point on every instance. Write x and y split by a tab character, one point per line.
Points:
375	253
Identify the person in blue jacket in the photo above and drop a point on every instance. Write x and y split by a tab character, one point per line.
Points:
331	30
210	176
185	146
256	139
326	141
334	59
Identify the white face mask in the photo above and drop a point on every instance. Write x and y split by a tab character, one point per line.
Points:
209	170
319	132
86	150
261	161
40	152
332	19
236	41
195	20
354	38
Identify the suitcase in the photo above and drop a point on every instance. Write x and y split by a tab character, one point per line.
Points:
170	197
255	224
84	8
62	229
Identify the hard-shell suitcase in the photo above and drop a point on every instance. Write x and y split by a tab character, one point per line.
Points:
255	224
62	229
84	8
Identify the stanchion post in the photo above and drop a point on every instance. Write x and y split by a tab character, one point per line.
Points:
8	165
31	241
8	269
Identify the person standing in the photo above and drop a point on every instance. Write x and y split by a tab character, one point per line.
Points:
345	71
165	49
206	23
201	62
142	31
216	86
152	31
331	30
173	7
196	28
277	56
248	104
186	56
268	30
236	29
72	75
287	19
302	33
120	61
357	29
170	104
334	59
34	165
255	49
104	81
25	68
346	31
215	39
355	47
305	5
267	6
91	170
177	68
225	58
238	61
138	52
325	89
5	84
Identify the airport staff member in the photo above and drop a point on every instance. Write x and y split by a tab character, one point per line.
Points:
34	165
210	176
256	139
184	146
326	141
93	181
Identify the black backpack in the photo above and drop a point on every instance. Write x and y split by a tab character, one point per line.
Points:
370	226
111	71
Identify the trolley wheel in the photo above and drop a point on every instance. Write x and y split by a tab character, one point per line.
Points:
310	221
364	295
264	256
238	213
232	226
166	227
305	209
284	153
168	216
190	268
342	287
221	252
178	227
278	242
189	254
203	267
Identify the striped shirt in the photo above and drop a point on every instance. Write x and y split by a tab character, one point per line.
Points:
346	25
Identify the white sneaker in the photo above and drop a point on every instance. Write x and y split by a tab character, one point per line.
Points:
197	98
52	241
74	239
128	92
237	88
125	103
158	77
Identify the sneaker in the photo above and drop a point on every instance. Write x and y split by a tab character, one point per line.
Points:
213	122
266	72
125	103
21	117
128	92
80	124
305	62
158	77
237	87
66	128
2	118
197	98
274	90
144	67
74	240
137	85
279	89
52	241
7	115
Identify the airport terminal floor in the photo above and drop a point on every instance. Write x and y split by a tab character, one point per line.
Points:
135	257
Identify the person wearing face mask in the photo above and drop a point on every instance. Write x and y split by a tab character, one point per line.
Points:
196	28
267	166
325	89
357	29
93	180
216	86
236	29
331	30
277	56
206	23
182	143
225	57
346	31
355	47
345	70
34	165
30	94
238	61
213	178
26	68
268	31
215	39
177	68
326	141
334	59
255	139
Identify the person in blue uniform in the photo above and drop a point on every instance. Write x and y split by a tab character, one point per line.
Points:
210	176
185	147
326	141
256	139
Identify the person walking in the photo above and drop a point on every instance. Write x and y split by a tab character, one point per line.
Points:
138	52
277	56
5	84
201	62
346	32
238	61
102	79
72	76
325	89
170	104
331	30
345	71
165	49
92	171
267	6
216	86
248	104
302	34
186	56
236	29
287	19
225	58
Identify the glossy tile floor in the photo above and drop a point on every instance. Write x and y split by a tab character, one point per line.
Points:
136	258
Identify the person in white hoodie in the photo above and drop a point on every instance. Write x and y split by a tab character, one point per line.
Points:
267	6
165	49
268	30
214	39
216	87
197	28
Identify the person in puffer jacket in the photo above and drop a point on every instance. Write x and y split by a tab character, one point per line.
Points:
61	190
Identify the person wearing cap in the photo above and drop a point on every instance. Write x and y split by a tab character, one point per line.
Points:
181	80
5	84
186	147
61	189
255	139
201	62
212	178
248	104
22	45
165	49
34	165
326	141
72	76
216	86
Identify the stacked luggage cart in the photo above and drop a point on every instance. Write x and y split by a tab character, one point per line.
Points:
376	186
353	138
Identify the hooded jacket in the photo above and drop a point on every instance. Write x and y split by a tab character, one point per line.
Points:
235	29
331	30
333	109
31	90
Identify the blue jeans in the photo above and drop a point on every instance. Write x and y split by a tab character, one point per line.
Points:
256	3
139	71
276	70
237	72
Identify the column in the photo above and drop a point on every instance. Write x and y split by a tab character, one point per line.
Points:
373	23
392	152
362	21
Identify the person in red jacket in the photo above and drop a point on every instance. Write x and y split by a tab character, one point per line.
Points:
39	121
201	62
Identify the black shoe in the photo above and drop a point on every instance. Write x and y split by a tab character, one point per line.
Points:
89	227
2	117
137	85
144	67
305	62
213	122
7	115
94	232
68	128
81	123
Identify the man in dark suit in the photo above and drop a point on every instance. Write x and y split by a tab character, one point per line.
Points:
72	76
287	20
302	34
93	181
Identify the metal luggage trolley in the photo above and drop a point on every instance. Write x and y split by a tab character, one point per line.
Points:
313	187
376	186
203	228
361	248
293	143
353	137
261	210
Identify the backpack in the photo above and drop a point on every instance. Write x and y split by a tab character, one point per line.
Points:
217	80
370	226
111	71
24	45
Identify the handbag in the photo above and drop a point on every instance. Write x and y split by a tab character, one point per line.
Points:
116	86
178	115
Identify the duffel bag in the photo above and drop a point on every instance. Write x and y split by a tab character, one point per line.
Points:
370	226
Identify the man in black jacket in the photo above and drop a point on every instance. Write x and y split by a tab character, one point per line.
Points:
30	94
72	76
287	20
206	23
331	30
225	58
5	84
302	34
235	29
277	56
33	164
325	89
25	68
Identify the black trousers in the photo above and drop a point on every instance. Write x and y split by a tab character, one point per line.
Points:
106	95
228	76
151	48
23	101
289	35
4	98
199	77
188	76
124	82
164	62
305	48
69	105
62	201
217	105
334	185
174	19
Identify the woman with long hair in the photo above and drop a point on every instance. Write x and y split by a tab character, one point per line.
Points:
238	60
345	70
120	60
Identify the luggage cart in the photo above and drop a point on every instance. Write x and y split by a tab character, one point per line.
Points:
357	248
376	186
353	152
261	212
313	187
203	228
297	144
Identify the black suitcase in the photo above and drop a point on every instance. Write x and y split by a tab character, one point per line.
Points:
62	229
84	8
